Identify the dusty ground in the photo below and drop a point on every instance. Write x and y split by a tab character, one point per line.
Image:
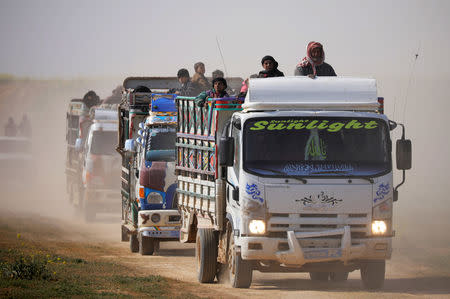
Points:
420	266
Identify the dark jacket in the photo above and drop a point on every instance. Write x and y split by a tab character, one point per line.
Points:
272	73
188	90
321	70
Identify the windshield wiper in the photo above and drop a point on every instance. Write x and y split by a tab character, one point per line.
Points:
369	179
304	181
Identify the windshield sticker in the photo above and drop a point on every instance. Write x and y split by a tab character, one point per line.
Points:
321	200
383	190
253	191
296	168
299	124
315	148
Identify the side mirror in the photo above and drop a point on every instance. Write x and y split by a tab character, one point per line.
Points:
78	144
403	154
226	151
129	145
237	123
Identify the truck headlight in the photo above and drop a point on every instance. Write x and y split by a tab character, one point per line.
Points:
257	227
155	218
379	227
154	197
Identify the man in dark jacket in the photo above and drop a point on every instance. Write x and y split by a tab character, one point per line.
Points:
270	66
314	63
218	91
187	88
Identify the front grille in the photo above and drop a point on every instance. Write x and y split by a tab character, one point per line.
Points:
279	223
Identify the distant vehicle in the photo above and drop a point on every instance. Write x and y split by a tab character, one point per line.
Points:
298	178
101	166
92	164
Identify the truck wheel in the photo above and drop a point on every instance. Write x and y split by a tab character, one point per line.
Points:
206	254
319	276
146	245
338	276
241	272
134	243
372	274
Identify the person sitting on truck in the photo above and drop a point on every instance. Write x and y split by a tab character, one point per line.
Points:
91	99
199	78
25	127
218	91
187	88
10	128
313	64
217	74
270	66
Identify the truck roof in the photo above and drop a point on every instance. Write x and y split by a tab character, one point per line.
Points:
321	93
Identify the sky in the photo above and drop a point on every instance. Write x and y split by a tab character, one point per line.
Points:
110	38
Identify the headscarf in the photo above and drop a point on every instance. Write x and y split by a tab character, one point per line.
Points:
268	57
308	60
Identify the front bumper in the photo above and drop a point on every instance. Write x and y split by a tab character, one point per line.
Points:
295	255
165	228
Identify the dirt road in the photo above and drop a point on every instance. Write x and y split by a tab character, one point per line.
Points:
404	277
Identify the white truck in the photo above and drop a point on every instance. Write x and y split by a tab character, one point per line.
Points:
298	179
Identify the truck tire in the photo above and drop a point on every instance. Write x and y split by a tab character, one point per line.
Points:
146	245
241	272
338	276
372	274
206	254
134	243
319	276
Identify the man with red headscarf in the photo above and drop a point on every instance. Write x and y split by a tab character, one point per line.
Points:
314	63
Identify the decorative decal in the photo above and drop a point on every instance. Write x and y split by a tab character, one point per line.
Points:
299	124
320	201
383	190
295	168
254	192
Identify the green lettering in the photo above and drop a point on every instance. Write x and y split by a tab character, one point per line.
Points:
334	127
371	125
279	126
299	125
323	125
312	125
290	126
259	125
354	123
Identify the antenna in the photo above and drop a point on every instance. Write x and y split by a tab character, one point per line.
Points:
221	55
409	81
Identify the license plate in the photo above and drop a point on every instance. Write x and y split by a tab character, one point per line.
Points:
322	253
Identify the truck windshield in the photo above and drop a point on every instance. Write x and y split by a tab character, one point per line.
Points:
161	139
313	146
104	142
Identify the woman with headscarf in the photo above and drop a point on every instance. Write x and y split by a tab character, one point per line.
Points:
314	63
270	66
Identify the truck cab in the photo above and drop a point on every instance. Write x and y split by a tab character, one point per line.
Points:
159	219
100	165
304	183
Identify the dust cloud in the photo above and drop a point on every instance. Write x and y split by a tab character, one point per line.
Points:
421	216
